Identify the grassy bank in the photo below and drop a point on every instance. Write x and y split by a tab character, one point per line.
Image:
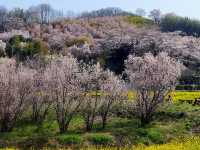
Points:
192	143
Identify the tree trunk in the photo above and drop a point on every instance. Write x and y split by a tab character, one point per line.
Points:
88	126
89	122
62	128
6	125
64	125
145	119
104	121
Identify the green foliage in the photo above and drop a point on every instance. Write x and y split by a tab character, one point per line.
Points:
139	21
150	135
156	136
70	139
193	123
101	139
176	23
25	48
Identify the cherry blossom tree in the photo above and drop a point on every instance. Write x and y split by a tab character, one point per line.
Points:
65	89
40	100
155	15
152	78
113	90
92	76
15	93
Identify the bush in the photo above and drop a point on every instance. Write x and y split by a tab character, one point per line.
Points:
148	135
155	136
101	139
70	139
25	48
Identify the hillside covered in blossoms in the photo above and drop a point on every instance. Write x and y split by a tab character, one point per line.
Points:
102	79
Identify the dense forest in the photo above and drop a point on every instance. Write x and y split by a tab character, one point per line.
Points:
102	78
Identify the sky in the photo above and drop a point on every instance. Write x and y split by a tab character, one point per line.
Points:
190	8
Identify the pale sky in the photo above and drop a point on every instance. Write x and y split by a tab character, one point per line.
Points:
190	8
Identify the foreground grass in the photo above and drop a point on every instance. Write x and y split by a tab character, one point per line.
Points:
192	143
170	122
188	144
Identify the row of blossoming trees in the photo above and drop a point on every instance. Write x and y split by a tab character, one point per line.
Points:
72	88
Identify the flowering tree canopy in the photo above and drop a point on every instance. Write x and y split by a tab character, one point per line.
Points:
152	77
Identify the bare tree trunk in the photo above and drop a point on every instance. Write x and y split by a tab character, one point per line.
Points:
89	121
104	120
39	115
64	126
145	120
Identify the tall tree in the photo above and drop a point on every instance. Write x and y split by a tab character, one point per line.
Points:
17	13
92	76
3	17
113	90
65	89
15	93
45	11
155	15
153	77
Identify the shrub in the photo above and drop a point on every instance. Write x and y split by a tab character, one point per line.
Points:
70	139
23	48
101	139
155	136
